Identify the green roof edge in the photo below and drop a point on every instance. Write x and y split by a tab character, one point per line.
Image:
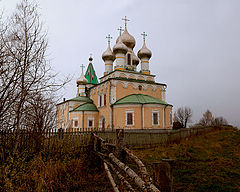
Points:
92	104
163	102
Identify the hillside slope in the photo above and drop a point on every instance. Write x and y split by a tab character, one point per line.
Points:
205	163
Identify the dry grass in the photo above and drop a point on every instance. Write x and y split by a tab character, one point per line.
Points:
205	163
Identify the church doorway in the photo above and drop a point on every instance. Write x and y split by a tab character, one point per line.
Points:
103	124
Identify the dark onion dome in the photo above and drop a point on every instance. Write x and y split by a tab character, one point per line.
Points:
127	39
120	47
90	58
135	59
82	80
144	52
108	54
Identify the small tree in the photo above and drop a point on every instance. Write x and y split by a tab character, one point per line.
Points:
207	119
218	121
183	115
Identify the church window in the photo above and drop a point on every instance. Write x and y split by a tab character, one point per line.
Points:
155	117
170	118
129	118
100	100
140	87
90	122
75	123
129	59
105	99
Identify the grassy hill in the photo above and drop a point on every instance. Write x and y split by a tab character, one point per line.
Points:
208	162
205	163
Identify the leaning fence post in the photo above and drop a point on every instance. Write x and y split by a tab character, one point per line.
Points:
162	175
120	153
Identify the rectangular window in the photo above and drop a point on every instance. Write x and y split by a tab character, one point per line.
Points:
155	118
90	123
171	118
100	100
75	123
105	99
129	118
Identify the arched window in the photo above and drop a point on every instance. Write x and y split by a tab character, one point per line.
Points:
128	59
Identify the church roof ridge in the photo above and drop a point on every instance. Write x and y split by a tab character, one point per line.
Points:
133	80
78	98
140	99
85	107
125	71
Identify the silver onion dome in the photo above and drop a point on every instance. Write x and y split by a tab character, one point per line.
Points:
144	52
108	54
127	39
120	47
82	79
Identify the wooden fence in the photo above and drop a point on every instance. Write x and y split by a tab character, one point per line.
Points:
153	137
47	141
32	141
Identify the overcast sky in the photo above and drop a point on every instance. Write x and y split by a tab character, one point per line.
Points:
195	45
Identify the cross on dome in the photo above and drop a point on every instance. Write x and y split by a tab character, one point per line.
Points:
144	34
126	20
120	29
109	38
82	66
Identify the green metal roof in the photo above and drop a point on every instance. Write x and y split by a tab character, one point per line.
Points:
136	72
139	81
82	99
91	75
139	99
86	107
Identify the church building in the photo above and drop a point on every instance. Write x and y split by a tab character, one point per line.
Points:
122	98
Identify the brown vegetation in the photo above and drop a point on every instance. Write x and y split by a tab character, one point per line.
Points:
53	165
205	163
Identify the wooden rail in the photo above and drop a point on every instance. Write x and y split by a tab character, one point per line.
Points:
119	174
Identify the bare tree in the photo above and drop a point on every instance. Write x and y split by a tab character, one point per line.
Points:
183	115
24	69
39	113
207	119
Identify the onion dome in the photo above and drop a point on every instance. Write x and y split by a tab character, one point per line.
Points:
82	80
90	58
120	47
135	59
144	52
127	39
108	54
